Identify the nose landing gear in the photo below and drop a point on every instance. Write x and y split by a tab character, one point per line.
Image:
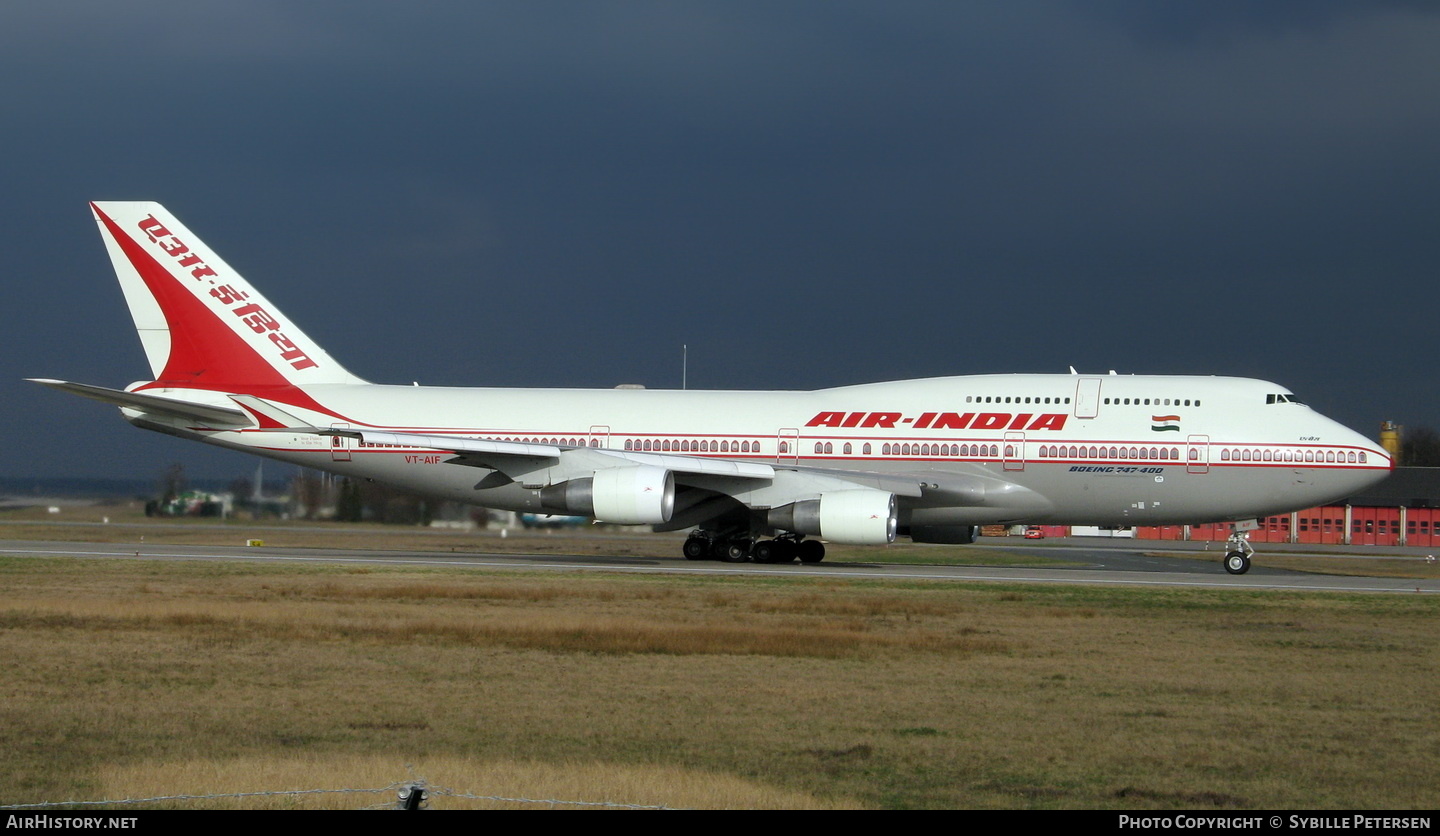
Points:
1237	553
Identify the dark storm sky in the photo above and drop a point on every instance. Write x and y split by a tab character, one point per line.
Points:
808	194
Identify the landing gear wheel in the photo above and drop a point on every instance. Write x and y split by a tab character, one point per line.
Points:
785	551
811	551
696	548
1237	563
737	551
766	551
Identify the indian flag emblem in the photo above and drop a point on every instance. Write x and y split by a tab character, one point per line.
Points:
1165	423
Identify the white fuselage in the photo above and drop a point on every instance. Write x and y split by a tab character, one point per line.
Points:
1104	450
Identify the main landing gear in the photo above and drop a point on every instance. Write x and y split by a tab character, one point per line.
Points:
708	545
1237	553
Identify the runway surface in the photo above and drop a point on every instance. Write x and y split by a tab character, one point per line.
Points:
1105	565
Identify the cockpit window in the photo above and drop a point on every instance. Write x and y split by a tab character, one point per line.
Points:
1282	398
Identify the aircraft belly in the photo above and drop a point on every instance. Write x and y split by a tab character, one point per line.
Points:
1149	494
1164	495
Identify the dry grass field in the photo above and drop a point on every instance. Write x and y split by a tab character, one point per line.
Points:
128	679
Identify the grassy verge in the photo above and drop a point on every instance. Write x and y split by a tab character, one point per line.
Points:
126	679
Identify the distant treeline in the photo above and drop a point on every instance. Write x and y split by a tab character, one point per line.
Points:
97	488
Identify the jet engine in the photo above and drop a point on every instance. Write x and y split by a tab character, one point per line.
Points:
643	495
861	517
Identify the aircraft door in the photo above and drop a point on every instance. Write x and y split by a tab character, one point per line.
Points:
1014	451
787	446
1197	454
1087	397
340	445
600	436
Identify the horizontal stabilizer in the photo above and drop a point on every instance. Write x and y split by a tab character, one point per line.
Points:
153	404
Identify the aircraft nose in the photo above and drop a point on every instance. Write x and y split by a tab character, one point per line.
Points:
1372	462
1375	455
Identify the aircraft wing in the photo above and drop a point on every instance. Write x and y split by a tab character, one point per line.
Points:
671	491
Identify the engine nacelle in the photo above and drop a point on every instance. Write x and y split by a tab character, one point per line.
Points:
861	517
634	495
642	495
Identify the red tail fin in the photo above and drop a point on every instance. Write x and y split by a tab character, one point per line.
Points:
203	326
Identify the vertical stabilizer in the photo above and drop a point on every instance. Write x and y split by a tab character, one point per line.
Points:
202	325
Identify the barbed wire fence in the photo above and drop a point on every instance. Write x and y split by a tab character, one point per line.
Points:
413	794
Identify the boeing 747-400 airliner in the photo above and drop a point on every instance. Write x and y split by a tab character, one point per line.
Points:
756	475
